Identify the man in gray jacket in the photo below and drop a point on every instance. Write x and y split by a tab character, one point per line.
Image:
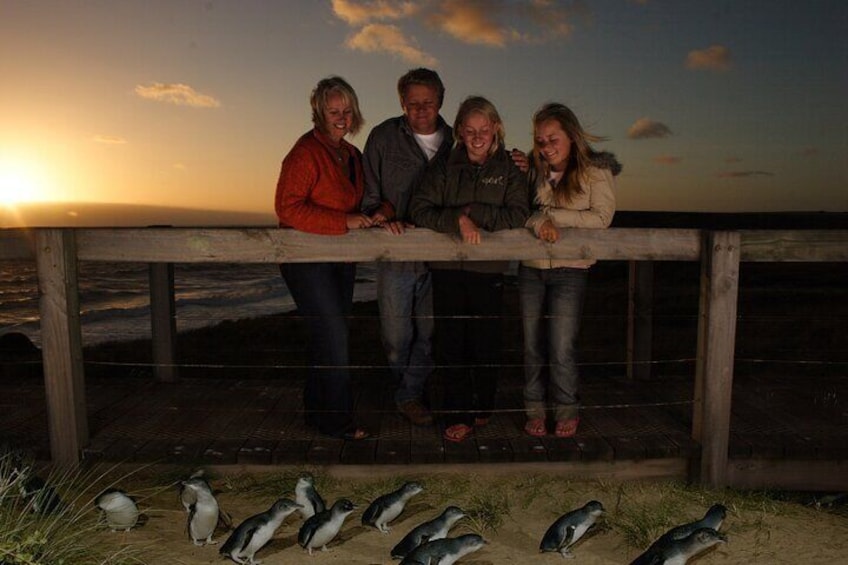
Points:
395	157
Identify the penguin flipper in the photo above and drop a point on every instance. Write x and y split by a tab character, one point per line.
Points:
191	512
317	502
369	517
248	536
568	538
306	532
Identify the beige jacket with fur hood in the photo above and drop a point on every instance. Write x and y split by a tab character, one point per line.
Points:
593	208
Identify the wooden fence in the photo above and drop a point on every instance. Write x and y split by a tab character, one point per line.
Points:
57	252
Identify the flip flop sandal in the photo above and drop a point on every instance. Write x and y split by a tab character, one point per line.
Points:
458	433
567	428
535	427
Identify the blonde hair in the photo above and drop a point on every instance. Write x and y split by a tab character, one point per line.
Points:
580	157
321	94
479	105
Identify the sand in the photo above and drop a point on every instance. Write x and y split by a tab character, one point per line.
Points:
511	507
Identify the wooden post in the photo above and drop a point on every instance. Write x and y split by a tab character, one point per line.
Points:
163	321
61	341
640	307
716	340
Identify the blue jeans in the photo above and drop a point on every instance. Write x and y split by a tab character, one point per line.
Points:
551	306
405	298
323	293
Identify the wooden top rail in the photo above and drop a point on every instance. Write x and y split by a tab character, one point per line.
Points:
273	245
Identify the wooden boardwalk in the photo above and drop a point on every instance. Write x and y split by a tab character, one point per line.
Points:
259	421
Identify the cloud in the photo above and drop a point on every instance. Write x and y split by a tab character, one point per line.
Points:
109	139
552	18
491	23
646	128
482	22
744	174
176	93
713	58
389	38
667	159
357	13
472	21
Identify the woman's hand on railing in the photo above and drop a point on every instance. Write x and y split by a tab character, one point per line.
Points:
358	221
469	230
548	232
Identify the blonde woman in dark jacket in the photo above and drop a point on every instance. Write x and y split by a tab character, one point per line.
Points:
474	189
571	187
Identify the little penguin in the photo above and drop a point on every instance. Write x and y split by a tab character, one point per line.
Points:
320	529
679	551
444	551
252	534
305	494
202	510
713	518
435	529
40	496
389	506
570	527
119	509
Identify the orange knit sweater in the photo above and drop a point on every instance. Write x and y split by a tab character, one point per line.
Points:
313	193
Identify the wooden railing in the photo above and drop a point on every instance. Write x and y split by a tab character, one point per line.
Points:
57	252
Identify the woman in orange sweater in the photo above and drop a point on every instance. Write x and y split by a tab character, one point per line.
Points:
319	191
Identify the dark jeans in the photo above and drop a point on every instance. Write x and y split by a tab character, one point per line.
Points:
405	296
551	306
468	308
323	293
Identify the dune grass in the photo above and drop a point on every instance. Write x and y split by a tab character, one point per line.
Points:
58	523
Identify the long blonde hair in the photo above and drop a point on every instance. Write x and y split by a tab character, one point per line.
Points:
580	157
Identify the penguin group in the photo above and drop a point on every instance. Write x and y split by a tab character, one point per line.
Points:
426	543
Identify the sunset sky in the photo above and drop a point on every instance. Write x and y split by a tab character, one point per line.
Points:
727	105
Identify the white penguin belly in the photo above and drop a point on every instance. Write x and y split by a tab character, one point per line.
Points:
325	533
391	512
204	521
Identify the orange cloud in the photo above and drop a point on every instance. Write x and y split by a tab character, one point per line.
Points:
176	93
472	21
357	13
389	38
713	58
646	128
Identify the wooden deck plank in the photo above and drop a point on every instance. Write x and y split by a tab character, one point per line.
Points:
261	422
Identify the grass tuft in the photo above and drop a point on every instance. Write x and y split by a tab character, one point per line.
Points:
57	523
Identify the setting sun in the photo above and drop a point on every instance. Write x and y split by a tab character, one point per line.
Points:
20	181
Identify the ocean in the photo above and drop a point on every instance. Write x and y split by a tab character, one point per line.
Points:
115	299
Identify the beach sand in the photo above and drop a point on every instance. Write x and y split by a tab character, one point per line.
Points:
511	507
